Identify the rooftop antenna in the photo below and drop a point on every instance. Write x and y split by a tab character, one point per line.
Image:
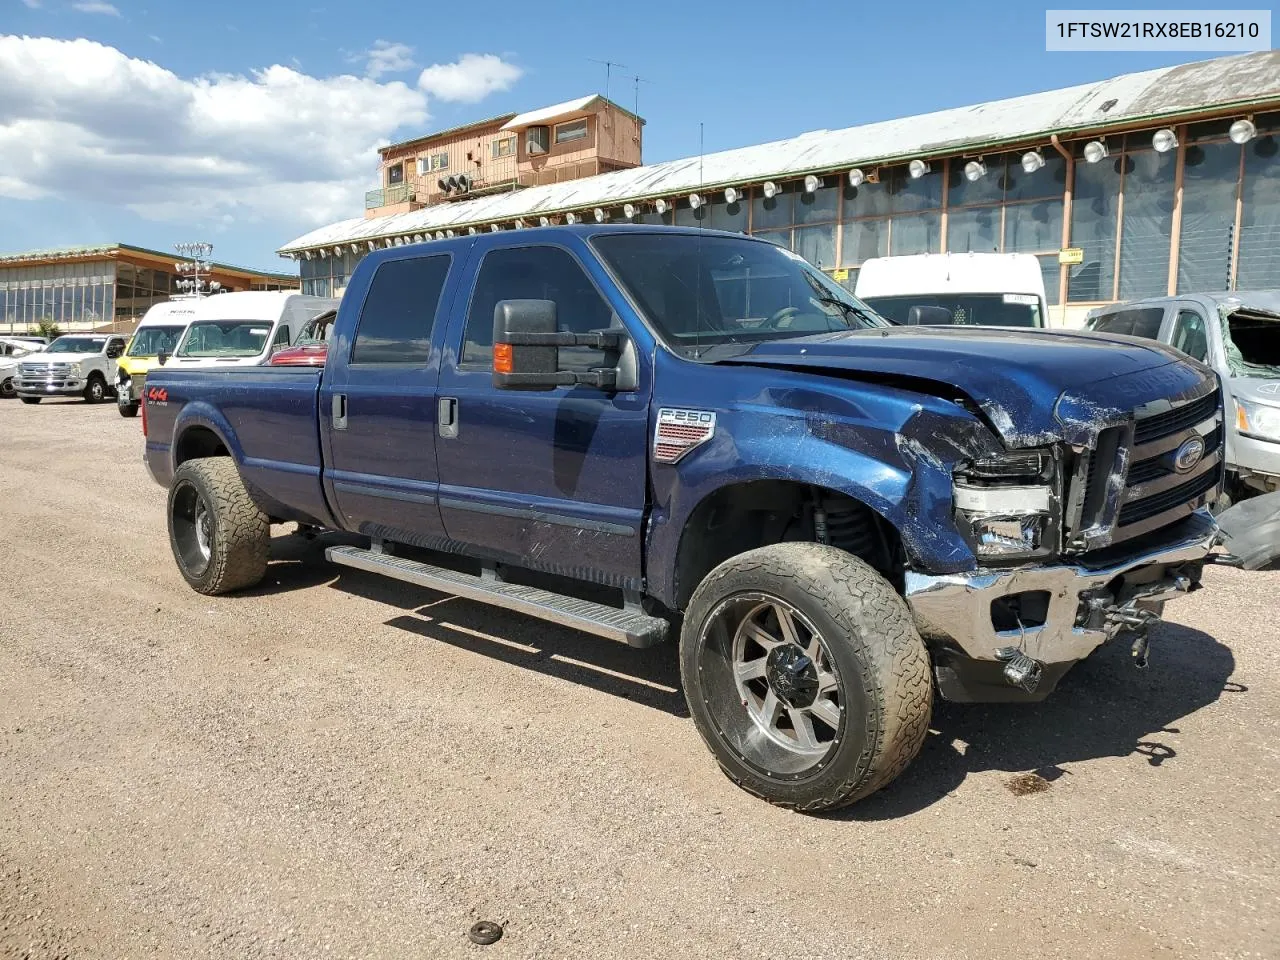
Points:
608	72
639	80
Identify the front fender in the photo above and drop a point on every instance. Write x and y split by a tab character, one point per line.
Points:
889	449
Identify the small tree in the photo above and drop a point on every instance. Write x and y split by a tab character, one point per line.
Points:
47	328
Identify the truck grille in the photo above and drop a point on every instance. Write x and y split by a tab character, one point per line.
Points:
1155	492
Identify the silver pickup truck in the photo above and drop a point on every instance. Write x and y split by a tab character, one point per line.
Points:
81	364
1238	335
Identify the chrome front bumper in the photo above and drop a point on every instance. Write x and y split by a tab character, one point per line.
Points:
42	386
1088	604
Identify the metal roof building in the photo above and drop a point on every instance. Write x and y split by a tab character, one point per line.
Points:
1171	195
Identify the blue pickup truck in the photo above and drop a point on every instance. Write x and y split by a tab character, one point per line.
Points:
647	432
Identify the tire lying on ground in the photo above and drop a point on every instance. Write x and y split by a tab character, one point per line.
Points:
805	675
220	539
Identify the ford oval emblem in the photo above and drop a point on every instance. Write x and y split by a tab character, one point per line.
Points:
1188	455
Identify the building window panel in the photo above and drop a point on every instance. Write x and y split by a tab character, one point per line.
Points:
1259	257
862	240
817	244
821	206
505	147
921	233
1049	181
439	161
1148	224
1032	227
868	200
1209	184
1093	229
908	196
770	213
973	230
573	130
988	189
729	216
781	237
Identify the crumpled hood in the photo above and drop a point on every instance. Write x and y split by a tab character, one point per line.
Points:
1035	386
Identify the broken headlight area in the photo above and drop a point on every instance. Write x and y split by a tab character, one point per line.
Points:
1009	506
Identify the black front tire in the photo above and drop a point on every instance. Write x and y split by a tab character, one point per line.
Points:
868	642
31	399
95	391
220	539
128	409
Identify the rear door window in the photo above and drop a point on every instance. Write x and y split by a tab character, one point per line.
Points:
1190	335
1139	322
400	310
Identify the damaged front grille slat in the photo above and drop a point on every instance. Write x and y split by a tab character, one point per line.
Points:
1150	495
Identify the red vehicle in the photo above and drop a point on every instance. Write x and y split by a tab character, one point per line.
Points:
312	346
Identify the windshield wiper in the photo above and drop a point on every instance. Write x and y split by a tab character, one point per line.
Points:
848	309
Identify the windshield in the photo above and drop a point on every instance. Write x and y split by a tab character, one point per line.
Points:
149	341
77	345
1252	342
226	338
703	293
966	309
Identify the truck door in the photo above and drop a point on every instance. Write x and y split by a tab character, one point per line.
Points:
378	408
556	479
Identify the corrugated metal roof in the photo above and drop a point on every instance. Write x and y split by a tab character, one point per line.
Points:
1168	91
566	109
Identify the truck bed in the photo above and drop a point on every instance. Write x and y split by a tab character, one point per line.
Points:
267	418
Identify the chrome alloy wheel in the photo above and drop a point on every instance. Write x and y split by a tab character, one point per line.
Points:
192	528
772	661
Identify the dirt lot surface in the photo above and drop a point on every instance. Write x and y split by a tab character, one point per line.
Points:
337	766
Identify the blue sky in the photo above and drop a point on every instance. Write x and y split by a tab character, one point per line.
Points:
204	145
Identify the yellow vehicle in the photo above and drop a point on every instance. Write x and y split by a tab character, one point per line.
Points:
158	332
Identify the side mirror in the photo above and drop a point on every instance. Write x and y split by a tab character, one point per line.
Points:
162	357
929	316
526	349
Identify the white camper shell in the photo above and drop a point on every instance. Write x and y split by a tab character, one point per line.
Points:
982	289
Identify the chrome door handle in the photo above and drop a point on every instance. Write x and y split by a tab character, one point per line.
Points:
339	411
447	417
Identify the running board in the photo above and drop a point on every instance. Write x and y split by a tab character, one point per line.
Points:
632	626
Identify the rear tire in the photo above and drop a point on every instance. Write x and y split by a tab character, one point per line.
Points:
805	675
31	399
220	539
128	409
8	390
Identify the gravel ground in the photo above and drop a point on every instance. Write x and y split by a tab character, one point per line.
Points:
333	765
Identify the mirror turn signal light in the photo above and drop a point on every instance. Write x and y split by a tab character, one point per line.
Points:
503	361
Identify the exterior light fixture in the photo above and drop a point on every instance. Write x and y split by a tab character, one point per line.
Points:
812	183
599	214
918	168
449	234
372	246
519	224
856	177
731	195
307	254
399	241
388	243
661	206
629	210
439	234
417	238
337	251
1095	151
1032	161
695	201
355	248
770	189
494	228
471	231
1242	131
1164	140
975	170
571	218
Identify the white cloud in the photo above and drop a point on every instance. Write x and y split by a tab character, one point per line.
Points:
32	4
96	6
387	57
472	78
79	119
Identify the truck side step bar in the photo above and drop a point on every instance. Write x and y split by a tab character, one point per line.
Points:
630	625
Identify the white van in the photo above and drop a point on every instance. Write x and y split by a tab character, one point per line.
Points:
983	289
159	331
244	329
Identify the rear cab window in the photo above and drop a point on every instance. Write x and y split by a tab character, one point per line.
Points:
399	312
